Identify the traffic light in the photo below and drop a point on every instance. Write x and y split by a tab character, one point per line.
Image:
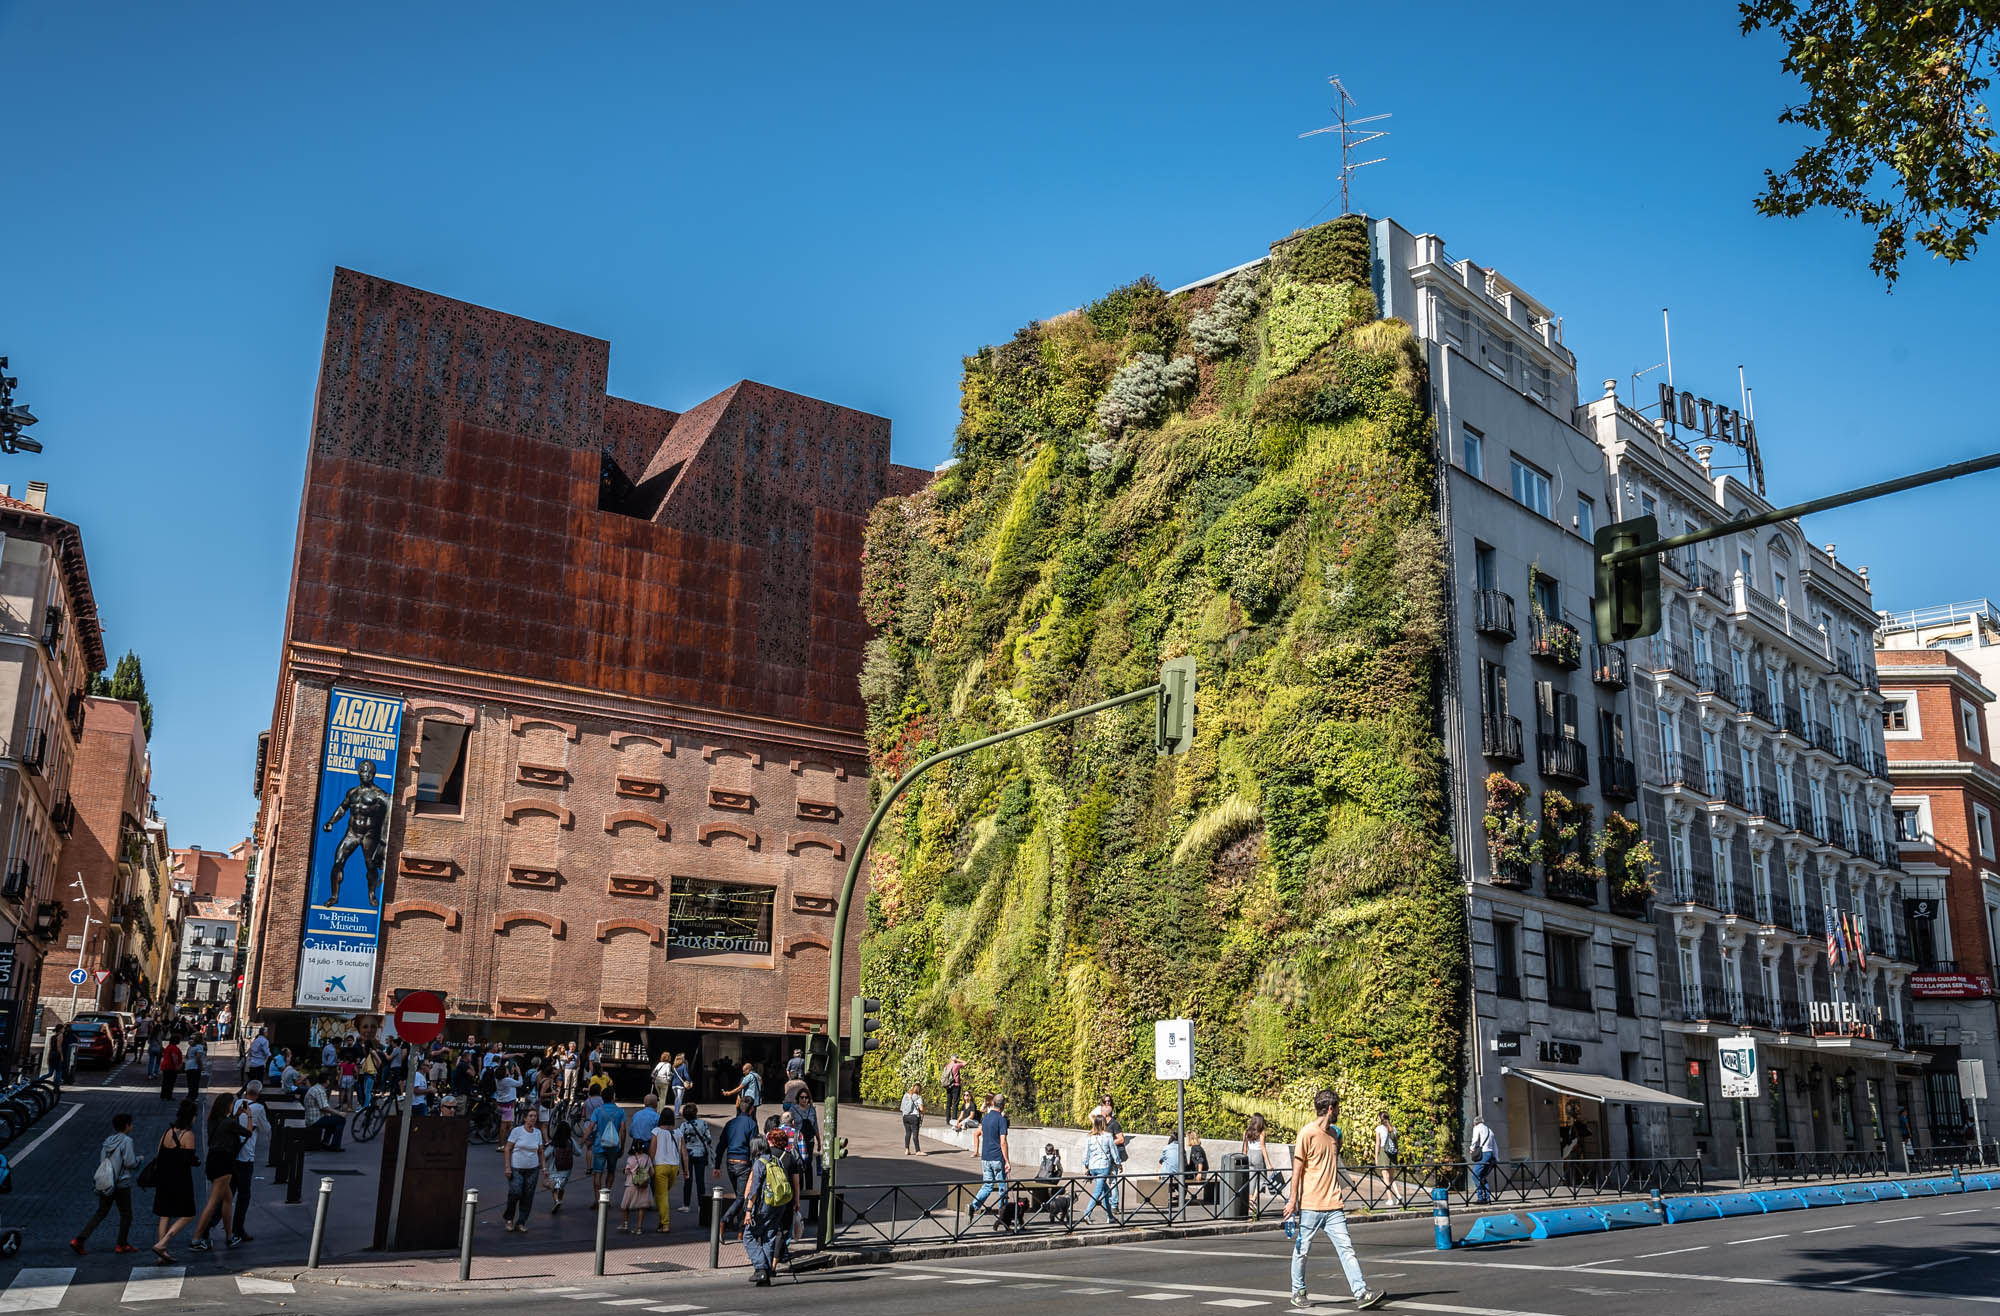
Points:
1628	595
1174	731
819	1053
864	1016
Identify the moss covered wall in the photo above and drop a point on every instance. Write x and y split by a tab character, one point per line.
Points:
1244	473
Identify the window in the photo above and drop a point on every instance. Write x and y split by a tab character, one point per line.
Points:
1547	594
1647	506
441	767
1542	384
718	918
1499	354
1611	733
1485	567
1555	710
1747	564
1912	821
1899	718
1968	722
1982	827
1492	689
1506	960
1474	452
1778	586
1569	971
1531	489
1586	518
1621	975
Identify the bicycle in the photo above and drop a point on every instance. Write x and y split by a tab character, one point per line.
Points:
368	1121
484	1120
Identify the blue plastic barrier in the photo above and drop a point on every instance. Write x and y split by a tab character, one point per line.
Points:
1783	1199
1820	1195
1498	1229
1691	1208
1574	1220
1918	1188
1627	1215
1858	1192
1889	1189
1738	1204
1982	1182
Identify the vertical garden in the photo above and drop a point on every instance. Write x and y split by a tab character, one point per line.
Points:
1243	473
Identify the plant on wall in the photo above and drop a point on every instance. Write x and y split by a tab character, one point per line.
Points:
1628	863
1511	842
1286	883
1569	849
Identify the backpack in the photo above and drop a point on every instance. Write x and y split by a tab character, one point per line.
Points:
700	1144
613	1134
565	1156
777	1190
106	1178
1389	1143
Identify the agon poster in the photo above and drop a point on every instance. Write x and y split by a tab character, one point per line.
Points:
350	849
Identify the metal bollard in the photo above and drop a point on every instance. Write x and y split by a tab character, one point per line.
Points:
1441	1217
603	1224
295	1169
715	1230
319	1223
470	1213
1660	1207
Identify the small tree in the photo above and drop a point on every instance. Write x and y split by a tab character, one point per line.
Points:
127	681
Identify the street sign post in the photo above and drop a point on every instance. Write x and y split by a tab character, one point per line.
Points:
419	1019
1173	1059
78	977
1738	1057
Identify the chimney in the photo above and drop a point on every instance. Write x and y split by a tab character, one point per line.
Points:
38	495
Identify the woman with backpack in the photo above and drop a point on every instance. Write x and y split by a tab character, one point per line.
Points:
766	1193
563	1151
698	1139
225	1142
116	1160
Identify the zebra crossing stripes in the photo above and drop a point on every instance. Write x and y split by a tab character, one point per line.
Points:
154	1285
37	1289
43	1289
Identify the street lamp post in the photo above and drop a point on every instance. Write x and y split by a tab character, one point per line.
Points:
83	949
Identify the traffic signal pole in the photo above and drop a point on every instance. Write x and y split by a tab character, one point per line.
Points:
1796	510
832	1139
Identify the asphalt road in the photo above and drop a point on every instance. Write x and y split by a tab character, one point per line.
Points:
1922	1256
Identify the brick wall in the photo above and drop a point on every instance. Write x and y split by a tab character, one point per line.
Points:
108	784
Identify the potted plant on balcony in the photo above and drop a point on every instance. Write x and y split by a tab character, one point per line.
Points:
1510	832
1553	638
1568	849
1628	865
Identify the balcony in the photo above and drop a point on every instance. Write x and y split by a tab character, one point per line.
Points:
17	880
1838	834
1752	699
1705	579
1675	659
1727	788
1691	889
1939	966
1607	665
34	751
1685	771
1556	642
1493	613
62	814
1500	737
1872	763
1708	680
1617	777
73	713
1563	757
1851	666
1570	889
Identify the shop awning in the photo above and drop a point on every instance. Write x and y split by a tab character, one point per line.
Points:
1598	1087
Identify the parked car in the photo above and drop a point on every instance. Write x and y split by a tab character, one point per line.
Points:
121	1036
90	1043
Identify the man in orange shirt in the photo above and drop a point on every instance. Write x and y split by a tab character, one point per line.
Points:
1318	1199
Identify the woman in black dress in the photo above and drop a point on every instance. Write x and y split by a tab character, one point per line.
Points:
173	1182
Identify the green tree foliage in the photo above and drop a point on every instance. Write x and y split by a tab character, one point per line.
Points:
1895	98
1286	883
127	681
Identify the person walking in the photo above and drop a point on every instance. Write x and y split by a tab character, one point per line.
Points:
258	1057
669	1153
751	1089
1098	1160
913	1120
506	1094
525	1158
698	1140
994	1164
1119	1151
195	1062
607	1124
635	1173
663	1082
1258	1153
682	1080
173	1180
737	1154
767	1190
170	1069
639	1132
156	1044
1482	1156
225	1139
954	1087
1385	1159
1319	1200
250	1112
116	1160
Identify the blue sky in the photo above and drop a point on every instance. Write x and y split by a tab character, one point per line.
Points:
843	200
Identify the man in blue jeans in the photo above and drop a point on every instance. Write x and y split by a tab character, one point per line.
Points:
1318	1201
994	1165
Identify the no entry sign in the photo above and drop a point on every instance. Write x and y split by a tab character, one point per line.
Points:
420	1018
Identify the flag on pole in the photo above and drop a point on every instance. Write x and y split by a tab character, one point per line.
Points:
1833	952
1854	936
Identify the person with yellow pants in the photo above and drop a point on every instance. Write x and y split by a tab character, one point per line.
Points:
669	1152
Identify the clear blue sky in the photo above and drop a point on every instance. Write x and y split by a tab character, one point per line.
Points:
843	200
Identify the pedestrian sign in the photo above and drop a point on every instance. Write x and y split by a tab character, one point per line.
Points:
1738	1057
78	977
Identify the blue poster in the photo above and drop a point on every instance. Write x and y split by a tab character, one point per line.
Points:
350	850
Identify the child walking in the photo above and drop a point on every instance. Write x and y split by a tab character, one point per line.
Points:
637	1175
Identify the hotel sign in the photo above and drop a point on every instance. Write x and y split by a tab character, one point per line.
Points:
1950	986
1715	420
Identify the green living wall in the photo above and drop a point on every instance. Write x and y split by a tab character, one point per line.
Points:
1243	473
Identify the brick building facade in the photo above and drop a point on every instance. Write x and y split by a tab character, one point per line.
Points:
627	643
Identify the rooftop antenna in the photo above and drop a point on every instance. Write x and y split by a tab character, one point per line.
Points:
1638	375
1352	135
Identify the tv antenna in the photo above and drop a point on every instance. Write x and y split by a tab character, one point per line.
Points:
1352	135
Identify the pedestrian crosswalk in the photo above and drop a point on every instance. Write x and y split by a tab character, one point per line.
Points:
44	1288
605	1298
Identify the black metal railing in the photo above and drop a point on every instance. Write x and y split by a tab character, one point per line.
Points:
1618	777
1608	666
35	751
1685	770
1806	1166
1571	889
1727	787
1085	1203
1555	640
1493	613
16	885
62	814
1706	579
1562	756
1752	699
1691	889
1500	736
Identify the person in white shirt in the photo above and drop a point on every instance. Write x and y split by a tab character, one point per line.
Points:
913	1120
420	1091
1385	1159
523	1152
321	1123
1481	1156
669	1156
663	1081
506	1090
256	1124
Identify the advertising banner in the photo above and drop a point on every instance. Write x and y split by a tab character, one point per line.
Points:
1173	1049
1950	986
1738	1056
350	849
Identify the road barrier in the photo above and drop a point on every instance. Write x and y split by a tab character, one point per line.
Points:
319	1223
468	1217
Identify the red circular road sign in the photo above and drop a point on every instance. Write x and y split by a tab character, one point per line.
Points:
420	1017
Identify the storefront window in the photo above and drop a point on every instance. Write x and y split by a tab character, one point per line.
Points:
718	918
1843	1104
1875	1109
